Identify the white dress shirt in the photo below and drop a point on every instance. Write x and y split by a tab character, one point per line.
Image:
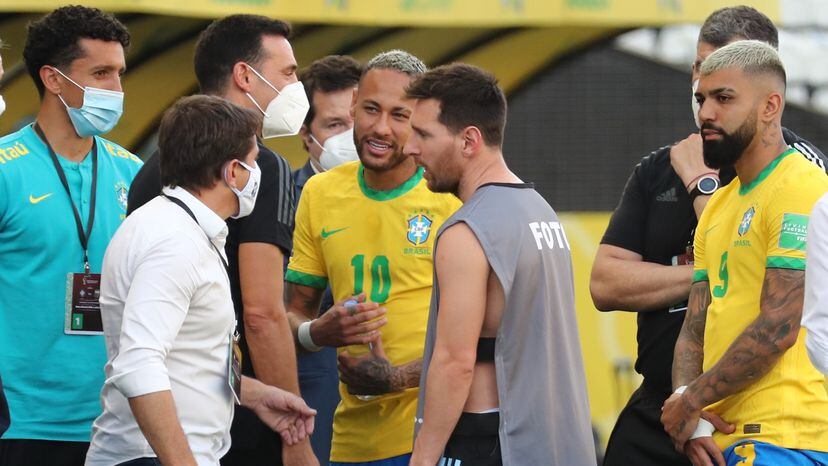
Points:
168	318
815	311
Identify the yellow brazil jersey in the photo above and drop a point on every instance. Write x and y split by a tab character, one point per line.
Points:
380	243
743	231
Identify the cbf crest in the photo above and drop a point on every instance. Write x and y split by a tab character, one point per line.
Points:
419	229
122	194
744	226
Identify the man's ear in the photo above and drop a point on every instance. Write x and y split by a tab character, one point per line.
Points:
49	77
472	141
241	77
774	104
305	134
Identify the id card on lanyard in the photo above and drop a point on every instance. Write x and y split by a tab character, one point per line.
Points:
83	289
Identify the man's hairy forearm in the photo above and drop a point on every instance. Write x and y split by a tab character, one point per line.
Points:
688	356
637	286
758	348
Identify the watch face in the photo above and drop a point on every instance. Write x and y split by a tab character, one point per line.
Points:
708	185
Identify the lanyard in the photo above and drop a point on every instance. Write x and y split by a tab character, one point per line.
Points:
82	236
181	204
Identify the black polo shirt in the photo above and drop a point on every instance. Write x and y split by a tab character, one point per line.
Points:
655	219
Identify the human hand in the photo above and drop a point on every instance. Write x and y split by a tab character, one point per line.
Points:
348	325
701	449
687	159
369	374
284	412
680	418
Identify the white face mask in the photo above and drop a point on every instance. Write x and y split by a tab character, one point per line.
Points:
247	196
338	149
286	112
2	105
694	104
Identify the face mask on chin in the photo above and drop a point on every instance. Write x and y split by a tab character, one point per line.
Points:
338	149
286	112
99	113
247	195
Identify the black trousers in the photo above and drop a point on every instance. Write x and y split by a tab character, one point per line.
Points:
638	438
15	452
252	442
474	441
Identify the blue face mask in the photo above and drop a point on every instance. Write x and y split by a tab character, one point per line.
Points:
100	112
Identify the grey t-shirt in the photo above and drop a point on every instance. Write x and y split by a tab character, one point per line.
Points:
544	411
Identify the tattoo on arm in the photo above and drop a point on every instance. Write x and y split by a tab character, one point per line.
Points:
407	375
689	352
303	299
758	348
376	376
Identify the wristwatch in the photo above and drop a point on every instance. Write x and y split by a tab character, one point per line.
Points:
706	185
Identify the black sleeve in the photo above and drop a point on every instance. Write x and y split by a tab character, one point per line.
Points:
272	218
146	185
626	228
810	151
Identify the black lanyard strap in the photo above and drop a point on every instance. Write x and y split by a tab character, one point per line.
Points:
181	204
82	236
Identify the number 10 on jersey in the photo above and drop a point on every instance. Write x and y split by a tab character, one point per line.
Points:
380	277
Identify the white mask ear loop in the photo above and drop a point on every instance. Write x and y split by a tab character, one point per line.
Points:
317	142
68	78
266	82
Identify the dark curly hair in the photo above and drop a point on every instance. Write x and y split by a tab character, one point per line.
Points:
230	40
329	74
54	39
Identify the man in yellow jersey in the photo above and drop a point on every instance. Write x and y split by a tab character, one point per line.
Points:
738	357
368	228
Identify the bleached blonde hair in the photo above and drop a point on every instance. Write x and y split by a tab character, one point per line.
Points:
753	57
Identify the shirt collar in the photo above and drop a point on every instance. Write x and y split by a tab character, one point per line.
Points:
209	221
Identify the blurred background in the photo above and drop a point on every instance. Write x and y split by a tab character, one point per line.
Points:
593	86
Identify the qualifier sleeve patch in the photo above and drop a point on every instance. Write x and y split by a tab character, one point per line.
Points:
794	233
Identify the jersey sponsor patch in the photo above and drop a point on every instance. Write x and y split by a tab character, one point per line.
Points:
794	232
13	152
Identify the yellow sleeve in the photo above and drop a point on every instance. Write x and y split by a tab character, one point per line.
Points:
307	264
699	258
786	222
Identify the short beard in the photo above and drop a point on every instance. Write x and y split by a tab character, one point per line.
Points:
728	151
444	185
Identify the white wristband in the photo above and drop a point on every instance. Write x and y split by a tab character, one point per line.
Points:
305	337
703	429
680	390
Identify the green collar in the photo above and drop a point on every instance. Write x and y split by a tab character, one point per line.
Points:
764	173
391	193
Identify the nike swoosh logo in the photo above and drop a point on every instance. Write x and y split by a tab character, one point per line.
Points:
35	200
325	234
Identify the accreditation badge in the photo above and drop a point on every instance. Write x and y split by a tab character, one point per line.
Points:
234	367
83	307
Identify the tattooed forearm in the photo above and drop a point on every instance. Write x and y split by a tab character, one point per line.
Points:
754	353
407	375
302	299
689	351
376	376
